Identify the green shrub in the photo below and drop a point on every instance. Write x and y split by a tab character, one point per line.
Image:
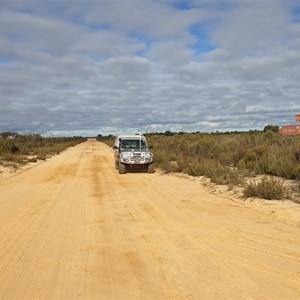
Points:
226	157
12	158
15	148
206	167
297	155
250	155
268	188
241	164
273	128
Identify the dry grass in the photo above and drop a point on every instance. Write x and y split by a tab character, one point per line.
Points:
230	158
17	150
269	188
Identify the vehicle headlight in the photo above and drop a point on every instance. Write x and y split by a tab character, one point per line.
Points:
147	155
125	155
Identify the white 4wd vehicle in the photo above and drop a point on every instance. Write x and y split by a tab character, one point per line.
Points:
131	151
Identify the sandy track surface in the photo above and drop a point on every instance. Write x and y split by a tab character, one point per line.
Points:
72	227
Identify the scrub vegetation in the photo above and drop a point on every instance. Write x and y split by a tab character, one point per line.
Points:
267	188
17	149
229	158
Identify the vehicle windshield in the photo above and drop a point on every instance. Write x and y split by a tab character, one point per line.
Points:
133	144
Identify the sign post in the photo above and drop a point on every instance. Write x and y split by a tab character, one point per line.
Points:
290	130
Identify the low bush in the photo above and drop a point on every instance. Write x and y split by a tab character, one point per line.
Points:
227	158
16	148
268	188
214	154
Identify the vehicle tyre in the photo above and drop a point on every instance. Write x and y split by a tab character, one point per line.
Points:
116	165
151	168
122	168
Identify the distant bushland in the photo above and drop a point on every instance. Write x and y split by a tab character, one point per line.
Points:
227	158
17	149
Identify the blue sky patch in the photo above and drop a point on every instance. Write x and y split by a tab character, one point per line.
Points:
296	14
5	60
204	44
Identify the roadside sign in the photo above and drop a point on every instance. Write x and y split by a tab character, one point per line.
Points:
297	118
290	130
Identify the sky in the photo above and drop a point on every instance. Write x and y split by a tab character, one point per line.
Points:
89	67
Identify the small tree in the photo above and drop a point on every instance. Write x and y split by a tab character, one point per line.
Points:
273	128
168	133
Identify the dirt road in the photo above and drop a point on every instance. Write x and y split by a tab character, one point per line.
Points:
72	227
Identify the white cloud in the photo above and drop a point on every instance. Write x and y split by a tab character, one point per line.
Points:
127	68
170	54
143	17
105	43
137	65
